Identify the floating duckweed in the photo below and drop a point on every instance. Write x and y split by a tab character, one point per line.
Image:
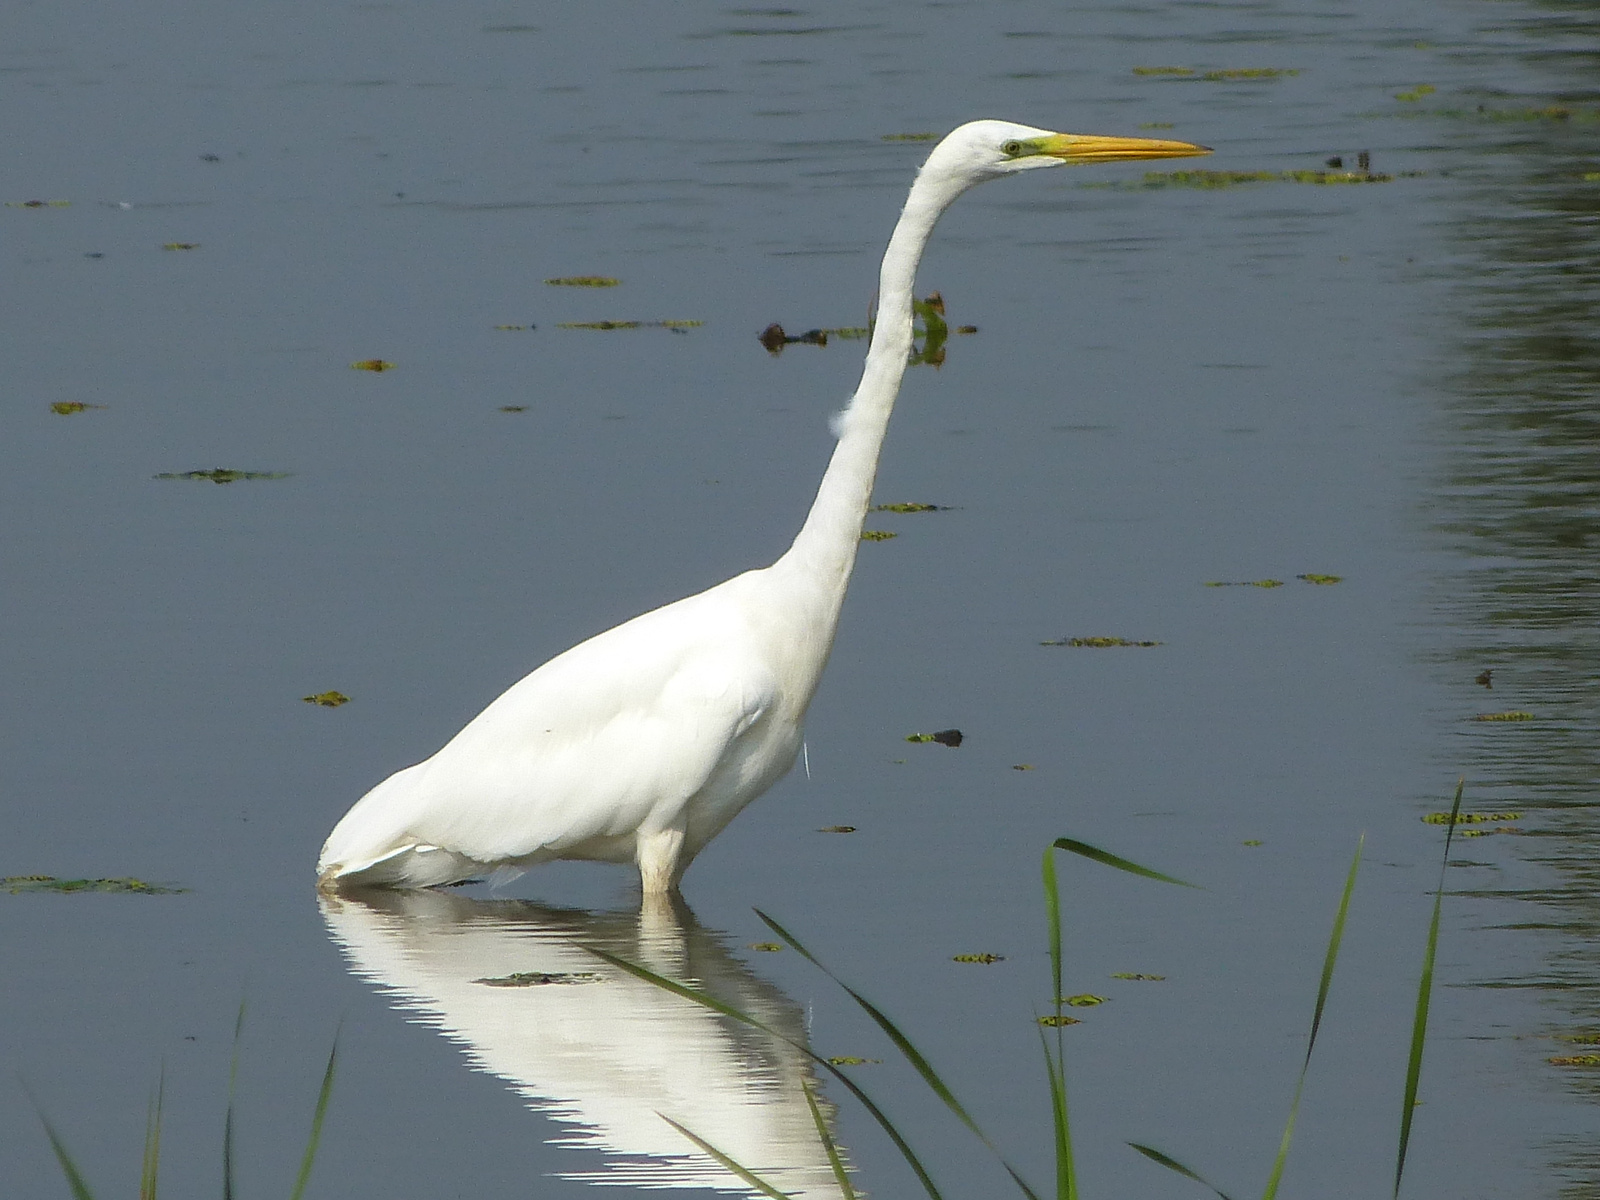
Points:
67	407
17	884
1443	818
1575	1060
1578	1039
767	947
1137	975
372	364
1163	70
181	246
1260	583
37	203
540	978
911	137
223	475
584	281
1055	1022
837	829
1096	643
327	699
1321	579
852	1060
1083	1000
1513	715
673	325
1252	842
1416	93
877	535
978	958
945	737
908	508
1228	74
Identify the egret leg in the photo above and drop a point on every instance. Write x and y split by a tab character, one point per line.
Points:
657	855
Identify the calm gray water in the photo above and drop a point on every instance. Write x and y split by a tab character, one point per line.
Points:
1394	383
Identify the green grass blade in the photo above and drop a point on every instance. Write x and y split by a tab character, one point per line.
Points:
744	1173
907	1050
1055	1071
840	1175
727	1010
1173	1164
1052	909
316	1122
150	1165
1329	960
80	1189
1419	1022
1095	854
227	1120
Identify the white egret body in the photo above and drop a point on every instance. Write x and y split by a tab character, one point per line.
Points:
642	743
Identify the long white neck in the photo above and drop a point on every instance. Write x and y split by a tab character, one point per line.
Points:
824	551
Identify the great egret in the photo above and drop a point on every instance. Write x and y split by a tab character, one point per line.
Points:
643	742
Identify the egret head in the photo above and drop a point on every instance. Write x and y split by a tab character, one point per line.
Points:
982	150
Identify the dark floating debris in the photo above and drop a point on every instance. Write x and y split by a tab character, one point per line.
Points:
223	475
1022	766
540	978
594	281
1515	714
181	246
211	158
1136	975
372	364
964	329
327	699
513	408
38	203
518	328
775	339
911	137
17	884
1485	679
66	408
945	737
985	959
837	829
1097	643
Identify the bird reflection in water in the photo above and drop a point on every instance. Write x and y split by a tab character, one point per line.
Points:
599	1051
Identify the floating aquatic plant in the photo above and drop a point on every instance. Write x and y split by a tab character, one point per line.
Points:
1468	818
1256	583
945	737
223	475
18	884
67	408
837	829
912	137
1137	975
676	326
985	959
909	508
327	699
181	246
1096	643
37	203
1512	715
877	535
588	281
372	364
1323	580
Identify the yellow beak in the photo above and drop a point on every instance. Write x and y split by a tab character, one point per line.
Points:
1089	148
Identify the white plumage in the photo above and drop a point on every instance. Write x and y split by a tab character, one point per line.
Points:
642	743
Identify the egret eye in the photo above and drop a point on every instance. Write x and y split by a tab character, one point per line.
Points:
1011	149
